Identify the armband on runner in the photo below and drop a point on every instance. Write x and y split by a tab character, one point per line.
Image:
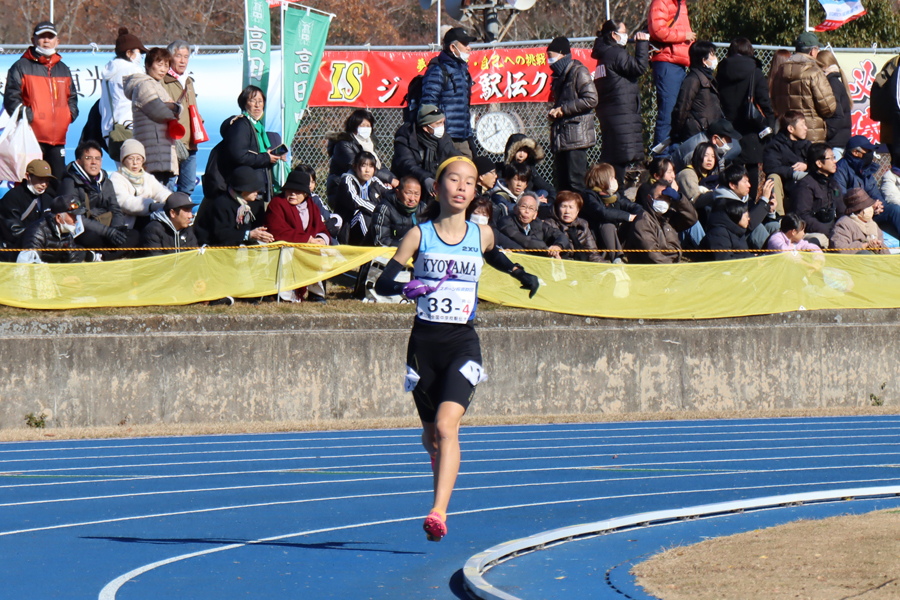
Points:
386	284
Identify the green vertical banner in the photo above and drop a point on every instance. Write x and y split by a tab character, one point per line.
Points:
257	38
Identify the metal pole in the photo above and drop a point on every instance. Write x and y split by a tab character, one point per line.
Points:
51	11
439	22
607	10
278	276
807	16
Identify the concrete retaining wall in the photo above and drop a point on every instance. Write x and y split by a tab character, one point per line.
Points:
99	371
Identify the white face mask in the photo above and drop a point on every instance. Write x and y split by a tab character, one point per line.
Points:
364	132
613	186
713	64
724	149
44	51
622	38
480	219
464	56
438	131
551	60
661	206
67	227
138	58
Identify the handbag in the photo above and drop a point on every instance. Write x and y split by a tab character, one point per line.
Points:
198	131
754	114
118	135
18	147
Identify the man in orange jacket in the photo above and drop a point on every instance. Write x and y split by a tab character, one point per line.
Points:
43	83
671	35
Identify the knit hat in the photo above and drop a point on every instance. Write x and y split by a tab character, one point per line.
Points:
484	165
856	200
299	181
561	45
428	114
127	41
132	146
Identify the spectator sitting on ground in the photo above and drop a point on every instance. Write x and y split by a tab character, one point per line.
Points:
138	192
785	156
292	217
566	220
115	108
856	232
608	213
236	217
332	220
487	175
524	228
522	149
397	213
816	198
169	229
419	148
702	175
359	192
481	212
735	185
736	224
790	238
345	145
800	84
513	184
104	223
23	205
698	103
54	232
666	214
857	170
447	85
180	86
720	134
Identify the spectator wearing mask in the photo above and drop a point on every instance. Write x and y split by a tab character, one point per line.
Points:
481	212
791	237
448	86
736	222
115	108
54	231
702	175
419	148
331	219
656	230
515	181
697	105
801	85
856	231
817	198
857	170
566	220
359	192
236	217
345	145
397	213
609	214
619	95
291	215
487	175
525	229
523	149
104	223
839	126
721	134
572	131
138	192
670	31
734	76
169	230
785	156
23	205
180	86
42	82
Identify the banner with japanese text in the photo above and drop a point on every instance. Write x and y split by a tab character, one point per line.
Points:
861	69
839	12
303	35
257	39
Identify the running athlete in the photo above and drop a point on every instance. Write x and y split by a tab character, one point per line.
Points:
443	360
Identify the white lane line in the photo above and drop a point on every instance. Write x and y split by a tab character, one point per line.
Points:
109	590
318	449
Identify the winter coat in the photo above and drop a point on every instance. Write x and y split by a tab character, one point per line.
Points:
448	85
160	233
342	148
151	118
800	84
409	155
733	78
44	85
723	234
520	141
241	149
175	89
538	237
890	186
669	33
114	106
391	221
779	241
216	221
285	223
580	237
43	233
848	238
597	212
573	91
692	185
214	180
852	174
356	203
619	100
781	154
815	198
136	203
658	233
13	206
839	126
99	198
697	105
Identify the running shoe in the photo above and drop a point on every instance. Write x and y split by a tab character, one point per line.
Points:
435	526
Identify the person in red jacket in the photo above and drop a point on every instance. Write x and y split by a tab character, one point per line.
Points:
43	83
671	35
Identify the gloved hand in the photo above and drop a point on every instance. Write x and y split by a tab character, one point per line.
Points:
414	289
116	237
528	281
155	206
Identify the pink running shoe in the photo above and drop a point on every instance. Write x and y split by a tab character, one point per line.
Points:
435	526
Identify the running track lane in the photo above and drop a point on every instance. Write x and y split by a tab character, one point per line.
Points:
338	514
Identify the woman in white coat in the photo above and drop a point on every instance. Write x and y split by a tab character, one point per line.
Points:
138	192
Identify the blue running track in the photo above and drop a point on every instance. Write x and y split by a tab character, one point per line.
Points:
338	514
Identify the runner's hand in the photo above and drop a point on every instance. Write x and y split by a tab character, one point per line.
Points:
528	281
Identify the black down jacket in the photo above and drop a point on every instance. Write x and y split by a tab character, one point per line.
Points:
733	78
99	198
839	126
697	105
781	154
391	221
619	100
13	206
409	155
573	91
44	234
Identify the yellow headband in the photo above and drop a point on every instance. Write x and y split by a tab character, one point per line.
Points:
452	159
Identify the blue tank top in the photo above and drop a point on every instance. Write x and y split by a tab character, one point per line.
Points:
456	299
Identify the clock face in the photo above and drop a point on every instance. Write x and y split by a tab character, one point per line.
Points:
493	129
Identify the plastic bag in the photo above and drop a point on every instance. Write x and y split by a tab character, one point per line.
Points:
18	147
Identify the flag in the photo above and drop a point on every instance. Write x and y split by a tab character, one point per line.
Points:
840	12
257	36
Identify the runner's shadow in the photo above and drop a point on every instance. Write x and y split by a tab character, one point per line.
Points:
458	587
351	546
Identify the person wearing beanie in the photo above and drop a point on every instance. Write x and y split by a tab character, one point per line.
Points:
139	193
115	108
572	129
447	84
421	146
487	175
856	232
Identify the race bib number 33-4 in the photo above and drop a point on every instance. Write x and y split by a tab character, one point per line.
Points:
453	302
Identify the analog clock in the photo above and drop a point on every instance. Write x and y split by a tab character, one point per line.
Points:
494	128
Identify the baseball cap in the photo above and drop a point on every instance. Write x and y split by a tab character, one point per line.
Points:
723	128
68	203
807	39
458	34
44	27
860	141
177	200
39	168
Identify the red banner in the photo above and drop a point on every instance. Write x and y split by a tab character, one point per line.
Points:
380	79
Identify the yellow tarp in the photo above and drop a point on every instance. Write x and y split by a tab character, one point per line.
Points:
769	284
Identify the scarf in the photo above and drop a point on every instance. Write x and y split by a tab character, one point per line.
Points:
706	71
135	179
244	213
607	200
559	67
869	229
182	79
262	139
430	143
87	179
303	209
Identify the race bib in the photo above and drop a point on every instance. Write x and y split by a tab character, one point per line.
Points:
453	302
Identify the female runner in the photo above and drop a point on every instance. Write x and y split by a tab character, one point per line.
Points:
443	361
